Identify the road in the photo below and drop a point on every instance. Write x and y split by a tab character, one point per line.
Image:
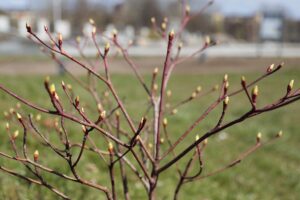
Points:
241	50
25	66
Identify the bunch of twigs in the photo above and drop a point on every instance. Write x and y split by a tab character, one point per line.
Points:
137	151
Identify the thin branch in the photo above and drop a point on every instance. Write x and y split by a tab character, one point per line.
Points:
35	182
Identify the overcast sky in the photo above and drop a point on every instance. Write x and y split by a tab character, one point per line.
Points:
246	7
229	7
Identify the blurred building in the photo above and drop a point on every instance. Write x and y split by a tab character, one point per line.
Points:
291	31
272	24
15	16
13	21
71	16
242	28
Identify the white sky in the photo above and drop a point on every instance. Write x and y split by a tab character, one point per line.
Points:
246	7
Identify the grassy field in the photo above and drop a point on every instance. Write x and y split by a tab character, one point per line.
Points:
271	173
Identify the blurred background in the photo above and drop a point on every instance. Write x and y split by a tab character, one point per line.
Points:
257	28
251	35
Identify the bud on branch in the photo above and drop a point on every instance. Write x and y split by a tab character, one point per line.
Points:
36	155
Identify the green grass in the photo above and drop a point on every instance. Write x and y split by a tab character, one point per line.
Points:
271	173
